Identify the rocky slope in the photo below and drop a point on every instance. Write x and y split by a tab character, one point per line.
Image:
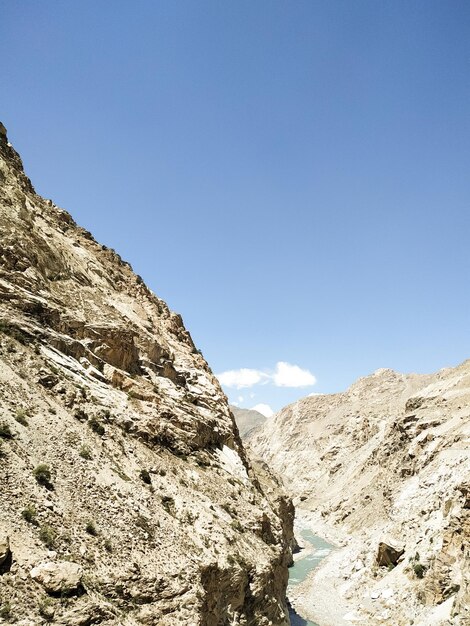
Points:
127	497
247	420
384	470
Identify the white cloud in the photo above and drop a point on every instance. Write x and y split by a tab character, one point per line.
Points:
264	409
241	378
240	398
287	375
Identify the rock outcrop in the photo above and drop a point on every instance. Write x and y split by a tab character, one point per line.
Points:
124	480
383	464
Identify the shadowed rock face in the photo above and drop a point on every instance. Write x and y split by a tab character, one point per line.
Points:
387	460
151	497
247	421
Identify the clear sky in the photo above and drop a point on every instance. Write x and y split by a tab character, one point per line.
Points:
291	176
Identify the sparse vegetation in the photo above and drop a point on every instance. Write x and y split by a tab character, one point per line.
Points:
96	426
80	415
91	528
47	535
121	473
235	524
5	610
419	569
85	452
143	523
108	546
145	476
29	513
5	431
21	416
42	474
46	608
168	503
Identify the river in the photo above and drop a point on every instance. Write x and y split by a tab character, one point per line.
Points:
314	553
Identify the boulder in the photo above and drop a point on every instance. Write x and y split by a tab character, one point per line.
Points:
388	553
4	548
63	576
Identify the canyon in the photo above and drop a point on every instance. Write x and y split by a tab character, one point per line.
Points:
130	495
382	471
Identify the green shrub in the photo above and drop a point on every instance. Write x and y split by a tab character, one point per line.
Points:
235	524
419	570
108	546
145	476
5	431
96	426
121	473
46	608
91	528
20	416
47	535
5	610
85	452
29	513
168	503
42	474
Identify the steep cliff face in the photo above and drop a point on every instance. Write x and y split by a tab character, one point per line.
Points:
127	497
384	469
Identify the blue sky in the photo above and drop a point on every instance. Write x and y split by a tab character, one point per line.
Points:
293	177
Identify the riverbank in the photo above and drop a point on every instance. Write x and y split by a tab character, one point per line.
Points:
317	597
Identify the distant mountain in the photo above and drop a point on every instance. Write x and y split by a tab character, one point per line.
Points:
383	469
247	420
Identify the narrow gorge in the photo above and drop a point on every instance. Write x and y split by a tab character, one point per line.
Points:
129	497
381	471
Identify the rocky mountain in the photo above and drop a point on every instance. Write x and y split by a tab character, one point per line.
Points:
127	496
383	471
247	420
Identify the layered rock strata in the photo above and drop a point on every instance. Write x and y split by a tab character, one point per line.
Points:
127	497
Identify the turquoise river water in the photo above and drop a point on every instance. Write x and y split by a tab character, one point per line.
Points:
303	566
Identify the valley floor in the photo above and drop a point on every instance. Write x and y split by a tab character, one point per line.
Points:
317	597
337	593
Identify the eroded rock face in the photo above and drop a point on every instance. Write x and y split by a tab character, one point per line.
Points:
151	493
388	458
